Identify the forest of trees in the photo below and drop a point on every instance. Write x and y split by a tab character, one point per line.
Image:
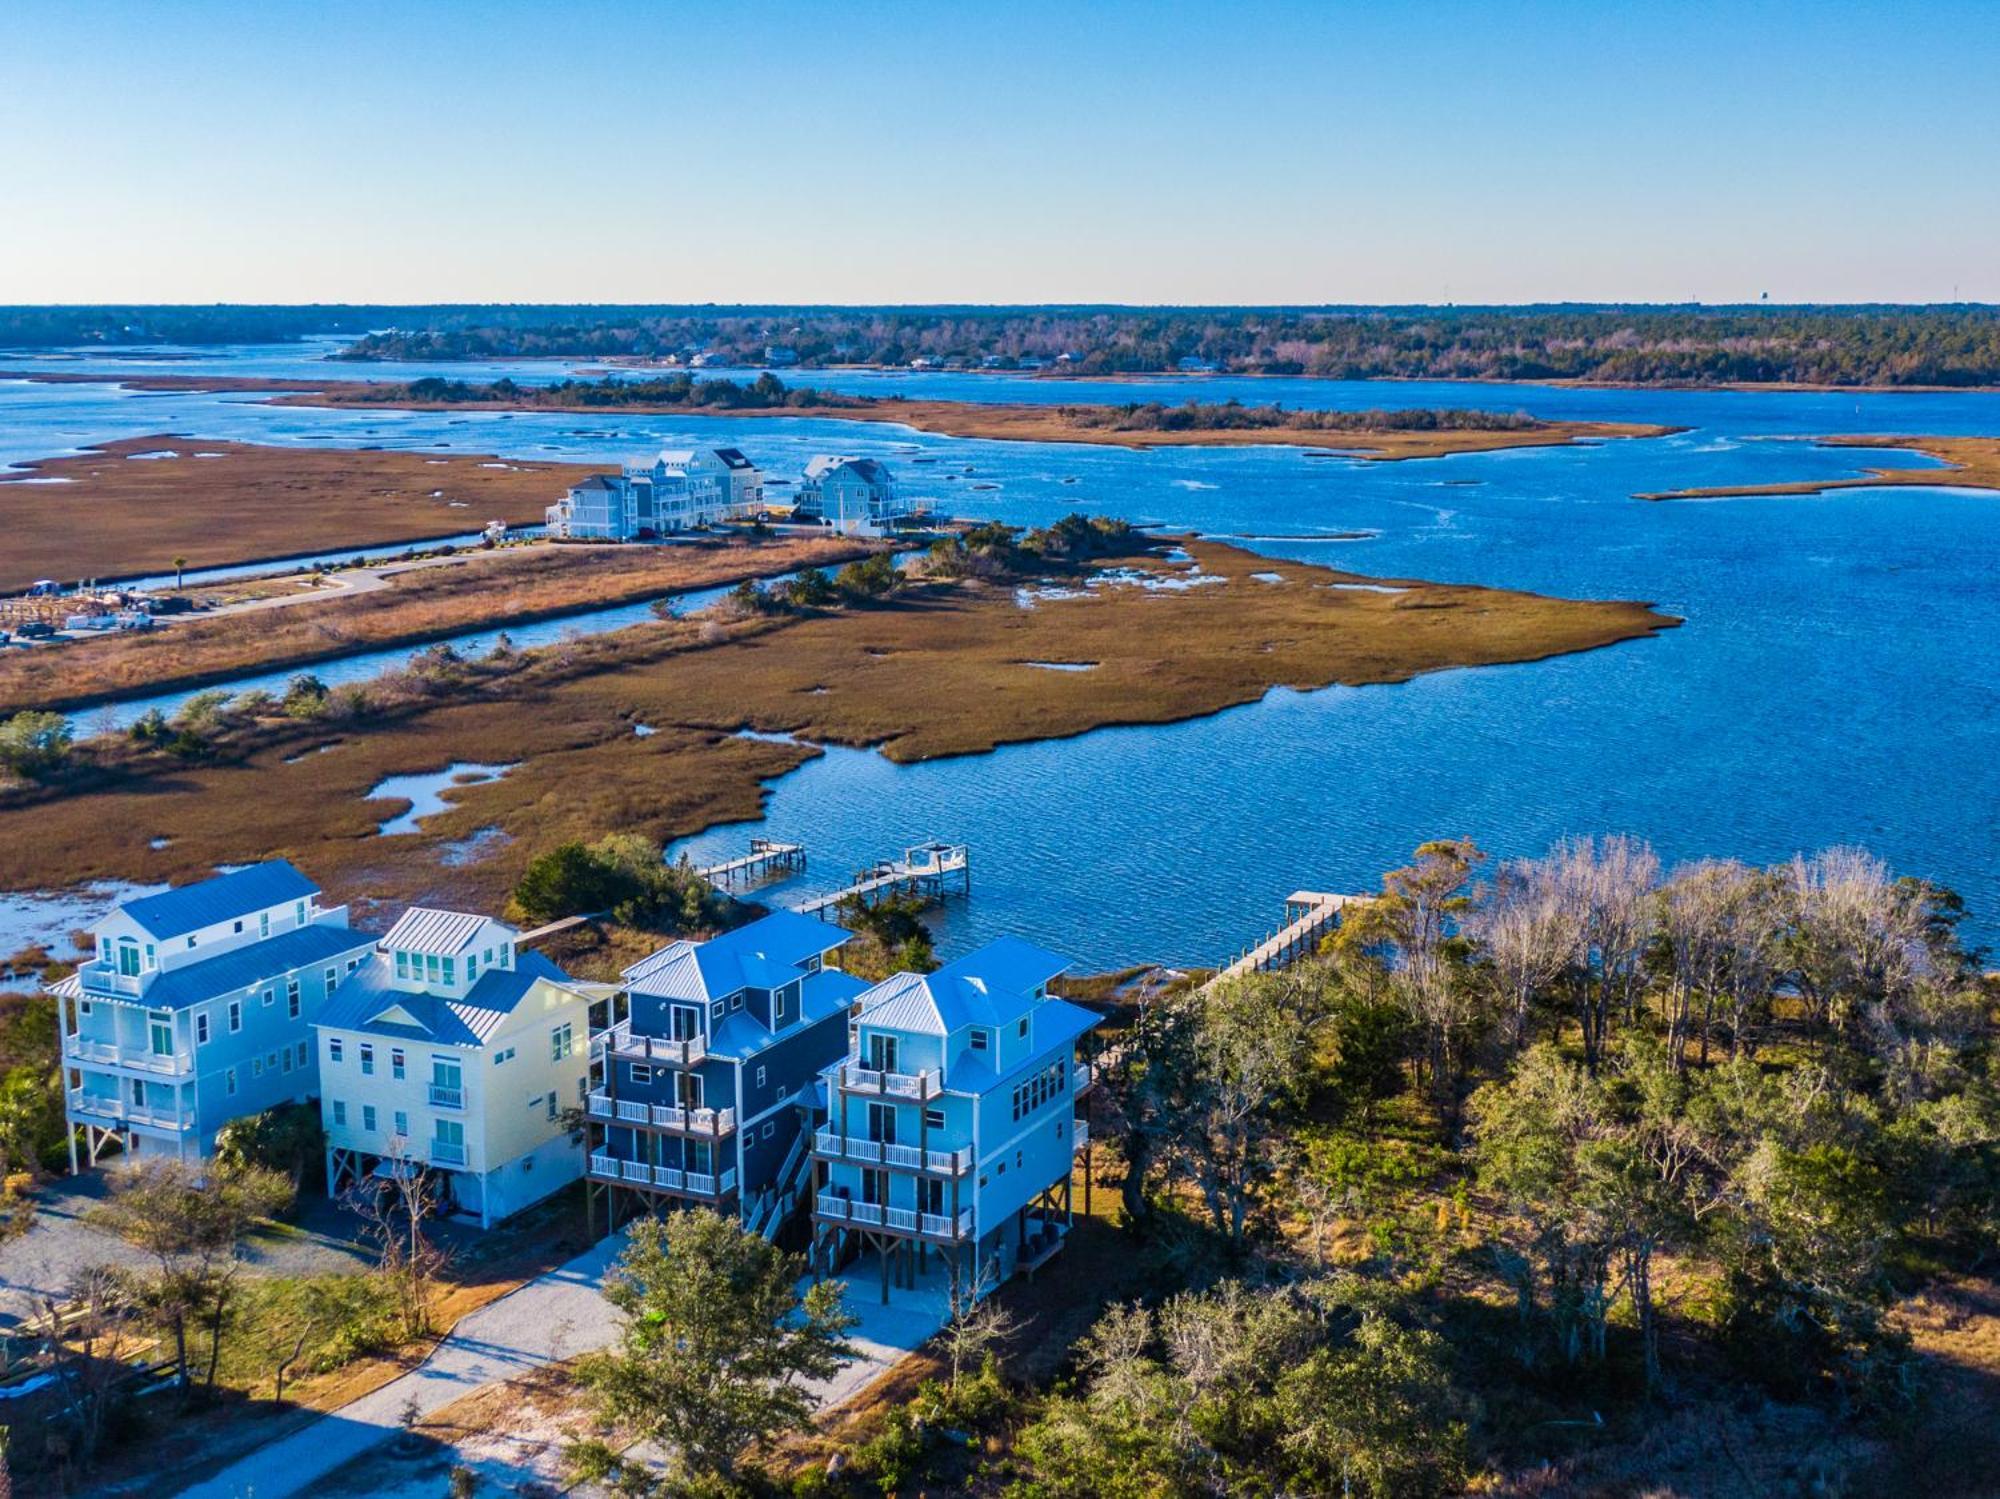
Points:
1871	345
1891	345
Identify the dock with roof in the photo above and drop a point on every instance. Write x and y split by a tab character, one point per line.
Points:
926	869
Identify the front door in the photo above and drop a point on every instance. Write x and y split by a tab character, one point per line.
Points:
684	1022
930	1196
875	1187
689	1089
128	960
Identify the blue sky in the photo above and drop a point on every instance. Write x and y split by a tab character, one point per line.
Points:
748	151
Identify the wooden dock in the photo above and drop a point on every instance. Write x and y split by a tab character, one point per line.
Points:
926	869
1309	916
767	858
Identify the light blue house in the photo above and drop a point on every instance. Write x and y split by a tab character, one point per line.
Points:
197	1009
952	1120
704	1091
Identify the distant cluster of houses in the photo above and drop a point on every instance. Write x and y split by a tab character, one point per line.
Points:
685	489
747	1073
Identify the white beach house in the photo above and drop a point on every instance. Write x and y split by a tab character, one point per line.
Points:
451	1050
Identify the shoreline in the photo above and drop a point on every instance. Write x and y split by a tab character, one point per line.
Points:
1971	463
986	421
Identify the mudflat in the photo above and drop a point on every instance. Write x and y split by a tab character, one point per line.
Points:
1973	463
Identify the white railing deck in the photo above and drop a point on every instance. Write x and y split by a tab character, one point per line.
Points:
446	1153
607	1167
913	1085
446	1098
620	1041
831	1205
661	1115
828	1142
101	977
99	1106
136	1058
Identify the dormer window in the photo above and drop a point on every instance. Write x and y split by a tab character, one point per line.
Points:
450	976
299	913
237	928
402	965
431	968
979	1040
1022	1029
471	966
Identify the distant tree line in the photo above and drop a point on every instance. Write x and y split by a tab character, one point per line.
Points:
766	392
1953	345
1212	416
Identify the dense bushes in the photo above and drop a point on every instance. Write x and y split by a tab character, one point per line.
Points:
623	876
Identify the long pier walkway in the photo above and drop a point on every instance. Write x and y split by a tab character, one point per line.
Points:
923	869
1309	916
767	857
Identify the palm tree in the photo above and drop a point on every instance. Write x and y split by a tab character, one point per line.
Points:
180	564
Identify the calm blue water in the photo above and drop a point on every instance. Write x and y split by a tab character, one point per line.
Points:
1835	681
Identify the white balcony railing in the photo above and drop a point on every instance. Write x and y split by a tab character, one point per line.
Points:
633	1113
831	1205
694	1121
1082	1137
100	1106
828	1142
620	1041
103	978
447	1098
137	1059
602	1165
635	1171
913	1085
447	1152
1085	1077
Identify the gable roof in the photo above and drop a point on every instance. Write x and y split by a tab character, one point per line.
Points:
762	955
175	913
423	929
992	986
596	481
733	458
368	1000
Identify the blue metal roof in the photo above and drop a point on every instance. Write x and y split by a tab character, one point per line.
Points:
245	967
175	913
765	954
991	986
368	993
741	1035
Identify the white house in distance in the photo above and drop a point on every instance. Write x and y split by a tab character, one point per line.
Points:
197	1010
854	496
680	489
952	1120
451	1050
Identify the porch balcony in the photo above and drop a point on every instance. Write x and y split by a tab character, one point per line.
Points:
708	1185
100	977
132	1058
918	1087
620	1041
942	1228
100	1106
829	1144
446	1098
671	1118
446	1152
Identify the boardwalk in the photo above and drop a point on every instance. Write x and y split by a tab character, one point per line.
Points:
767	857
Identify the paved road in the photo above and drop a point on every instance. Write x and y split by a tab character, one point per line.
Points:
551	1317
556	1316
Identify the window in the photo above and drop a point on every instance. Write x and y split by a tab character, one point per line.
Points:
190	940
269	996
770	1128
562	1041
229	1082
402	965
367	1060
1038	1090
933	1118
368	1117
431	969
235	1016
160	1035
471	966
285	1062
339	1112
402	1124
715	1010
642	1072
736	1000
1021	1030
201	1029
271	1061
333	1048
552	1106
352	964
292	993
332	977
760	1077
396	1063
238	927
450	965
263	923
256	1066
305	1052
299	913
503	1056
978	1040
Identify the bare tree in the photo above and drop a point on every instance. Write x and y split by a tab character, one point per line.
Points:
395	1207
975	1319
87	1335
1856	936
1529	935
1607	885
